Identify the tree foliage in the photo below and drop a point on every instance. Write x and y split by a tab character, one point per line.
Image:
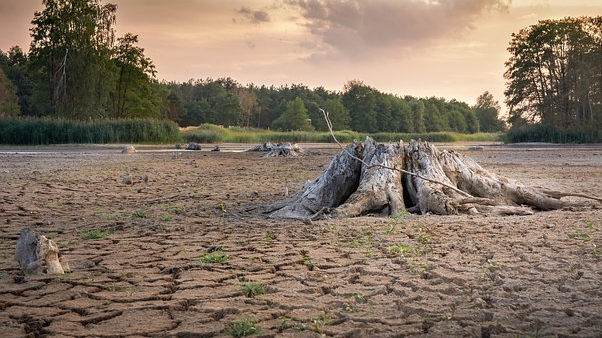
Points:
294	117
554	74
78	69
9	104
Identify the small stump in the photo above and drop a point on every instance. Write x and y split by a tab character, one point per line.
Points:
37	254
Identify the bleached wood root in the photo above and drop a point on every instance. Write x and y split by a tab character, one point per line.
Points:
329	190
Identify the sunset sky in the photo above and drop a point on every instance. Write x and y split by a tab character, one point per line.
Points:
443	48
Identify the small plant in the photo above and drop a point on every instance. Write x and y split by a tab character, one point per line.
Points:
589	225
222	208
177	210
353	244
270	236
423	238
402	249
578	234
214	257
283	323
139	214
350	307
242	328
253	289
93	234
165	218
319	323
63	245
360	298
399	221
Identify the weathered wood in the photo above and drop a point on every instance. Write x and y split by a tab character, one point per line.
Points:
37	254
374	178
380	188
329	190
285	150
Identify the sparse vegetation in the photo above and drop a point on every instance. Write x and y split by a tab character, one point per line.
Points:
165	218
214	257
93	234
242	328
252	289
579	234
139	213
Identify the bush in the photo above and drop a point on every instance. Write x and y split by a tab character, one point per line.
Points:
40	131
548	133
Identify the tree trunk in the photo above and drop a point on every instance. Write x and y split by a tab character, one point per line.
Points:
374	178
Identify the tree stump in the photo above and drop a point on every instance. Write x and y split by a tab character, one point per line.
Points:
386	179
193	146
267	146
37	254
285	150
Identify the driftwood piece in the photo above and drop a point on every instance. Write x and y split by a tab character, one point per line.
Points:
370	177
285	150
37	254
193	146
267	146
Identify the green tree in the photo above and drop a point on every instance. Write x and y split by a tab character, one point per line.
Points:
487	110
294	117
339	116
70	57
554	73
15	64
9	103
135	95
360	101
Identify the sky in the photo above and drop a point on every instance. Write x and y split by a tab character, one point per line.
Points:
453	49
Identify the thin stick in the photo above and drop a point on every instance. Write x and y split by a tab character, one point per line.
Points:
329	124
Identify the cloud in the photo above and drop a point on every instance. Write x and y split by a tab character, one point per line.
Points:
353	26
254	16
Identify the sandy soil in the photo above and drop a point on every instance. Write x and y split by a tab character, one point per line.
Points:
529	276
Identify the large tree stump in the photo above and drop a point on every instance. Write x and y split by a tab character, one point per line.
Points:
375	178
37	254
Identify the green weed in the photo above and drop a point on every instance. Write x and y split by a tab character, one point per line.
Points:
253	289
139	214
93	234
215	257
578	234
165	218
242	328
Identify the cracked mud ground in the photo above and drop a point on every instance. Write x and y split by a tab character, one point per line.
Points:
188	253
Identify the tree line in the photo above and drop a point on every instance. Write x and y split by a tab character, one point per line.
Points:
77	68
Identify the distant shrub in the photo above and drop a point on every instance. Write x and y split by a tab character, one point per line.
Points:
548	133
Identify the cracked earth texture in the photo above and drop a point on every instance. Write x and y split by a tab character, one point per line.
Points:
187	252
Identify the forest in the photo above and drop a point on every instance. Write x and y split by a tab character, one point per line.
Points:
78	69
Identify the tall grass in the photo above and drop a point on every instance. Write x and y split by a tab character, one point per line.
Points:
39	131
208	133
547	133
